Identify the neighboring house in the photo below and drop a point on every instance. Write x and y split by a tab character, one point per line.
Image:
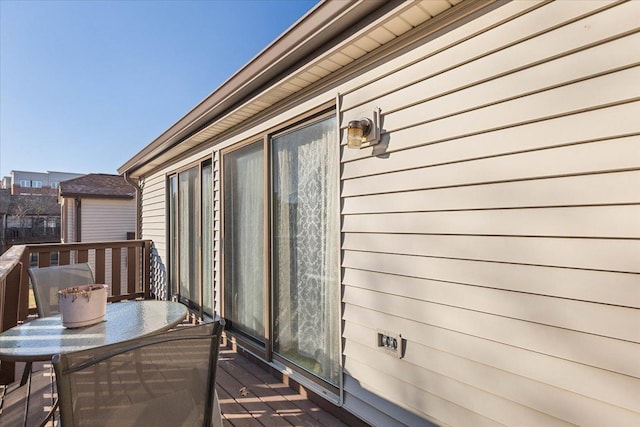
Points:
479	266
36	183
98	208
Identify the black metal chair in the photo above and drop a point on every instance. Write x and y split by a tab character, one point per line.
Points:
166	379
47	281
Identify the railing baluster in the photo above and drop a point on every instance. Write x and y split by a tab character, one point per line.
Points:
83	256
146	270
132	269
116	274
44	259
64	257
100	266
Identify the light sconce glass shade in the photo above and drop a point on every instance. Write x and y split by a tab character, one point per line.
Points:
357	132
365	132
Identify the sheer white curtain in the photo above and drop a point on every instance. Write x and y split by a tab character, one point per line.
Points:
244	239
306	248
207	238
189	202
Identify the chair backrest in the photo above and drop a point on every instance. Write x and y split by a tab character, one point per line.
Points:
47	281
165	379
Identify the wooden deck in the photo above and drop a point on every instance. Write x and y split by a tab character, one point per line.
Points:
249	396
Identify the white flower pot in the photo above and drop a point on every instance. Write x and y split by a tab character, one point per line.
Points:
82	305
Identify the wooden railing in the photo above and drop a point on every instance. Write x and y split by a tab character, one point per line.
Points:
123	265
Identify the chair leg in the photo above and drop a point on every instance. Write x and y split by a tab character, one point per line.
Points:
3	395
26	373
26	405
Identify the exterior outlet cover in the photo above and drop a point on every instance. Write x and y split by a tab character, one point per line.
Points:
391	343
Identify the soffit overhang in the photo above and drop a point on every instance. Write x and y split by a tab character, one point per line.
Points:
324	42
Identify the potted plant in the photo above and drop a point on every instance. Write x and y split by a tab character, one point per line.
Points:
82	305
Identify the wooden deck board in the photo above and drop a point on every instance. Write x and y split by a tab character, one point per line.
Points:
249	396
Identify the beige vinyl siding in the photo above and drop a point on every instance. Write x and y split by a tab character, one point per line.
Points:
154	223
68	220
104	220
107	219
154	212
496	227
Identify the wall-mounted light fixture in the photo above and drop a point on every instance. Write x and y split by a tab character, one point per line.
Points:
365	132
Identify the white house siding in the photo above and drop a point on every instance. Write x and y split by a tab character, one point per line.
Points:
68	220
497	230
103	220
154	228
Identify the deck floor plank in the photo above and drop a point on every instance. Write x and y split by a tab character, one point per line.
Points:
319	417
268	390
268	401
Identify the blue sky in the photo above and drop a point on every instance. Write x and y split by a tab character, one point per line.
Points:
84	85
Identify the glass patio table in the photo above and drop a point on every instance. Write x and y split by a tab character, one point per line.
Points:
40	339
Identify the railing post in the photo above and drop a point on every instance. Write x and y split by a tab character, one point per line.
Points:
23	302
9	319
11	272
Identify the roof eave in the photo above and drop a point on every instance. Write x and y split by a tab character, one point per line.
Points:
306	37
97	196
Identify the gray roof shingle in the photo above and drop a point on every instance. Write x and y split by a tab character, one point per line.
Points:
99	186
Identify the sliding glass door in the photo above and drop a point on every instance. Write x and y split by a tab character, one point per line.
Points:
191	236
302	292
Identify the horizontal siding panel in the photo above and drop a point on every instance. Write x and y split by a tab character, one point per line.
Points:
509	399
600	319
613	388
376	410
596	221
522	68
105	219
445	40
413	398
154	201
155	216
589	94
152	204
595	190
155	229
612	122
602	156
155	187
600	254
608	287
154	210
449	51
592	350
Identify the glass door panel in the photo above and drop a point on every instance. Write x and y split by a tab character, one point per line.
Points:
173	235
244	240
207	238
189	208
306	247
